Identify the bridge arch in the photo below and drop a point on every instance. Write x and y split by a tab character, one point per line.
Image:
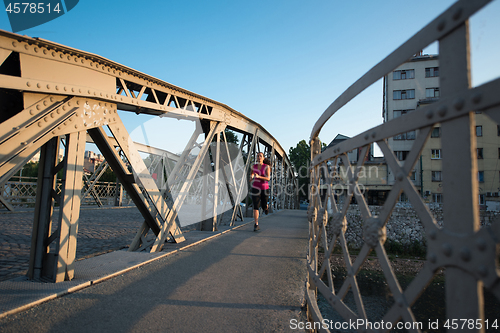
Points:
52	93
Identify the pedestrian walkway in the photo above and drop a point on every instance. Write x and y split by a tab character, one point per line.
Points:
236	281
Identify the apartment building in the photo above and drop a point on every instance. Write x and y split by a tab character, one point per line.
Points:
413	85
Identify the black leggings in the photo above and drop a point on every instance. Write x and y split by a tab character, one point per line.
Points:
259	198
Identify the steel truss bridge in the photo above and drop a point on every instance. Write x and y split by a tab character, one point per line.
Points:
54	96
467	252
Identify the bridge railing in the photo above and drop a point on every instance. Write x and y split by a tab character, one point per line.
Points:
23	192
466	252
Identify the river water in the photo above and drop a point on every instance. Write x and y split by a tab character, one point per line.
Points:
429	309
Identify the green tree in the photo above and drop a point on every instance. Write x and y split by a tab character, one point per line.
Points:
230	135
30	169
300	157
108	176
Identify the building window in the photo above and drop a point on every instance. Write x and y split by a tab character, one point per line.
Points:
404	136
436	132
498	130
413	175
479	153
401	154
480	176
436	154
431	92
432	72
404	94
481	199
399	113
479	130
437	198
403	197
403	74
436	176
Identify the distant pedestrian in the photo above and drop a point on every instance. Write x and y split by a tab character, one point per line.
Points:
261	174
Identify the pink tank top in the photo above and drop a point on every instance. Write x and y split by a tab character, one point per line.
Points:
260	183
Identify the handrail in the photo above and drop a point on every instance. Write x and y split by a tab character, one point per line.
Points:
460	244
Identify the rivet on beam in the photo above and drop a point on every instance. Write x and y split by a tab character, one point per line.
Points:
447	249
442	110
465	254
459	104
457	14
481	244
401	176
477	98
441	25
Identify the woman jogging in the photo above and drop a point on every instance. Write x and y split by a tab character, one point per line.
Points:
261	174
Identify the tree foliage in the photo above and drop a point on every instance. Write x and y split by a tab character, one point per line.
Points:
300	158
230	135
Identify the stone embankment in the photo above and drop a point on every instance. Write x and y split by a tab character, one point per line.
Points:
404	226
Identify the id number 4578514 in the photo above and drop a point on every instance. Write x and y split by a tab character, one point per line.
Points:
31	7
470	324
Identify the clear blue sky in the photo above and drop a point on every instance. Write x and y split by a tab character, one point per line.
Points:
280	62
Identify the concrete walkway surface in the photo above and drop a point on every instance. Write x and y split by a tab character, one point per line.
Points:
240	281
